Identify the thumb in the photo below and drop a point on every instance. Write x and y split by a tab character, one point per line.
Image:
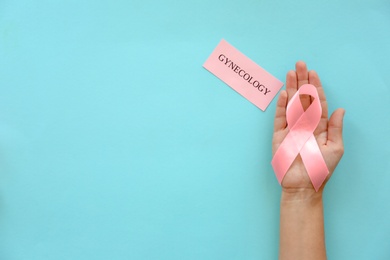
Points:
335	127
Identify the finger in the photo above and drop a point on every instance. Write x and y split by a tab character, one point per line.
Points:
314	79
321	131
303	78
335	127
280	122
291	84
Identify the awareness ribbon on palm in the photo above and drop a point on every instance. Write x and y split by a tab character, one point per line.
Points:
301	140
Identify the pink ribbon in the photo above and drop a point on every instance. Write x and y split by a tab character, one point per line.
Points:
301	140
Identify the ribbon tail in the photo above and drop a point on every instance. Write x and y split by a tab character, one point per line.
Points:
314	163
284	157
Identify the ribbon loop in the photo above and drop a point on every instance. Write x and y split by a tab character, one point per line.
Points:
301	140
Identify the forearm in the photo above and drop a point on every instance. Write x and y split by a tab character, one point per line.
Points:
302	226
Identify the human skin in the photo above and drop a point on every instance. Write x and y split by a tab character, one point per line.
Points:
301	209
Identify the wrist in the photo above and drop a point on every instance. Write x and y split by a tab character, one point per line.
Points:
301	224
300	195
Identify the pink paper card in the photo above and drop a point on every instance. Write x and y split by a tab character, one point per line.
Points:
243	75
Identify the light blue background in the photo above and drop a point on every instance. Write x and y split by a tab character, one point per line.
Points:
115	143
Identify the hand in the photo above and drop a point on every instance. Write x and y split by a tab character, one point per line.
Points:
328	133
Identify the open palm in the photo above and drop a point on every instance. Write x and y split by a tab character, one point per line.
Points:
328	132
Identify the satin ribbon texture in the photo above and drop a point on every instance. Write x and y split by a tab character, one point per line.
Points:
301	140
